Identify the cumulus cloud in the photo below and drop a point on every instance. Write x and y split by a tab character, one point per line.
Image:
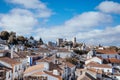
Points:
79	24
109	7
88	20
24	17
32	4
85	26
108	35
18	20
39	8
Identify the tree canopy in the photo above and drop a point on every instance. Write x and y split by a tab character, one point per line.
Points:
12	40
80	52
31	37
5	35
40	41
21	38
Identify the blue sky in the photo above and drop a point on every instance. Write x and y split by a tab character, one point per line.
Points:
90	21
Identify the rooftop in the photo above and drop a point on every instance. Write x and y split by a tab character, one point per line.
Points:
114	60
106	51
34	68
9	61
95	64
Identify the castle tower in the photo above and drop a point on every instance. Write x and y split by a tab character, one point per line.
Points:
74	40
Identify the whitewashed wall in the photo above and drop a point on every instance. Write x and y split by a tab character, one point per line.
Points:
95	59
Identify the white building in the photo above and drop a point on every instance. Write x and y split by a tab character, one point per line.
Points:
105	67
5	73
74	40
14	65
95	59
59	41
64	53
37	71
4	47
105	53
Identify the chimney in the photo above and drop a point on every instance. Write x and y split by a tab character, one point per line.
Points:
11	54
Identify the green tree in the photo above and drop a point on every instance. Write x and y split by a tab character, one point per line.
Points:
80	52
4	35
72	60
12	33
12	40
31	37
40	41
21	38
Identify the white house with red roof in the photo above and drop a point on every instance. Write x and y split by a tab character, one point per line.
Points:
107	53
5	73
103	53
63	53
38	71
104	67
95	59
14	65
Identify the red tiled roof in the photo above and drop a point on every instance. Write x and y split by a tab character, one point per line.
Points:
69	64
9	61
34	68
94	64
114	60
106	51
50	73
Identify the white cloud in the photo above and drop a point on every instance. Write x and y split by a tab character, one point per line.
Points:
108	35
31	4
83	26
39	8
88	20
109	7
18	20
25	16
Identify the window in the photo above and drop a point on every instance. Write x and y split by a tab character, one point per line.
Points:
107	56
19	67
15	68
9	75
116	56
1	74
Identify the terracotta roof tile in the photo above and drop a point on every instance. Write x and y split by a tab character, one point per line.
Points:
34	68
47	59
69	64
46	72
9	61
94	64
106	51
114	60
38	73
50	73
